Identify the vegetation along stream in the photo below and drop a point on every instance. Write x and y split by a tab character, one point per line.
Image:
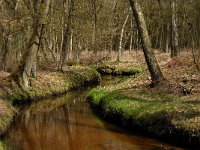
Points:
72	125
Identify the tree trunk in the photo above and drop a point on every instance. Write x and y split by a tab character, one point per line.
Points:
71	45
77	52
167	37
174	32
154	69
5	50
94	9
66	34
121	38
63	56
28	64
1	1
131	38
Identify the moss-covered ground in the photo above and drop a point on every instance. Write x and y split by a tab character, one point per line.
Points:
165	111
47	83
118	68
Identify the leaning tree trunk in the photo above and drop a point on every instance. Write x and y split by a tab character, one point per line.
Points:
121	38
131	38
154	69
28	63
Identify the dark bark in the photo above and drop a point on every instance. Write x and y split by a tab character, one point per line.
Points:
63	56
5	50
154	69
66	34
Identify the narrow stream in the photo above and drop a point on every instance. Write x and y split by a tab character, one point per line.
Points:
71	126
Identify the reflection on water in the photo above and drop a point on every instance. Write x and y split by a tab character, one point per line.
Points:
110	79
71	126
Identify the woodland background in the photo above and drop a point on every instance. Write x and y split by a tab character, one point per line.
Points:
72	27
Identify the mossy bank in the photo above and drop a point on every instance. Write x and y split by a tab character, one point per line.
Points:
152	113
119	68
47	83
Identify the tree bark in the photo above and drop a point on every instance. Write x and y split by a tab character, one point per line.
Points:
1	1
154	69
174	32
94	10
131	38
71	45
66	34
121	38
5	50
28	63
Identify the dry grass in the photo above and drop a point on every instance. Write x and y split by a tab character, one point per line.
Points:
46	84
180	72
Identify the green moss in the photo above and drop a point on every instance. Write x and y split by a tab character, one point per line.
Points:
46	84
6	116
2	146
50	83
158	113
95	96
118	68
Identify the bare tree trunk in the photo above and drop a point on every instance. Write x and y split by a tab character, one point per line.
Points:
51	47
131	39
63	56
71	45
121	37
1	1
94	9
78	49
195	52
174	32
66	32
5	49
138	43
28	63
154	69
112	25
167	38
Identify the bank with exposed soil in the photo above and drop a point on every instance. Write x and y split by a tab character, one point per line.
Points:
47	83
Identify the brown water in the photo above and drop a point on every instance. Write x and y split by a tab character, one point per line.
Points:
71	126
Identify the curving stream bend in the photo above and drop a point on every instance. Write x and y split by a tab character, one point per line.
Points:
71	126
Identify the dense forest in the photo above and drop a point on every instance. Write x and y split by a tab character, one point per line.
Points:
143	54
72	26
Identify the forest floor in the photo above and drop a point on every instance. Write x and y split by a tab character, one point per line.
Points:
167	111
180	72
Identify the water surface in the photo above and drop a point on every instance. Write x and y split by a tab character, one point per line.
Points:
71	125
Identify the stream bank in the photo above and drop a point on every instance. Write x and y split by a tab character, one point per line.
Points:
47	83
149	111
117	68
170	112
67	122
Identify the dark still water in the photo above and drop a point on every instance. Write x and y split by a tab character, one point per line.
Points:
71	126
